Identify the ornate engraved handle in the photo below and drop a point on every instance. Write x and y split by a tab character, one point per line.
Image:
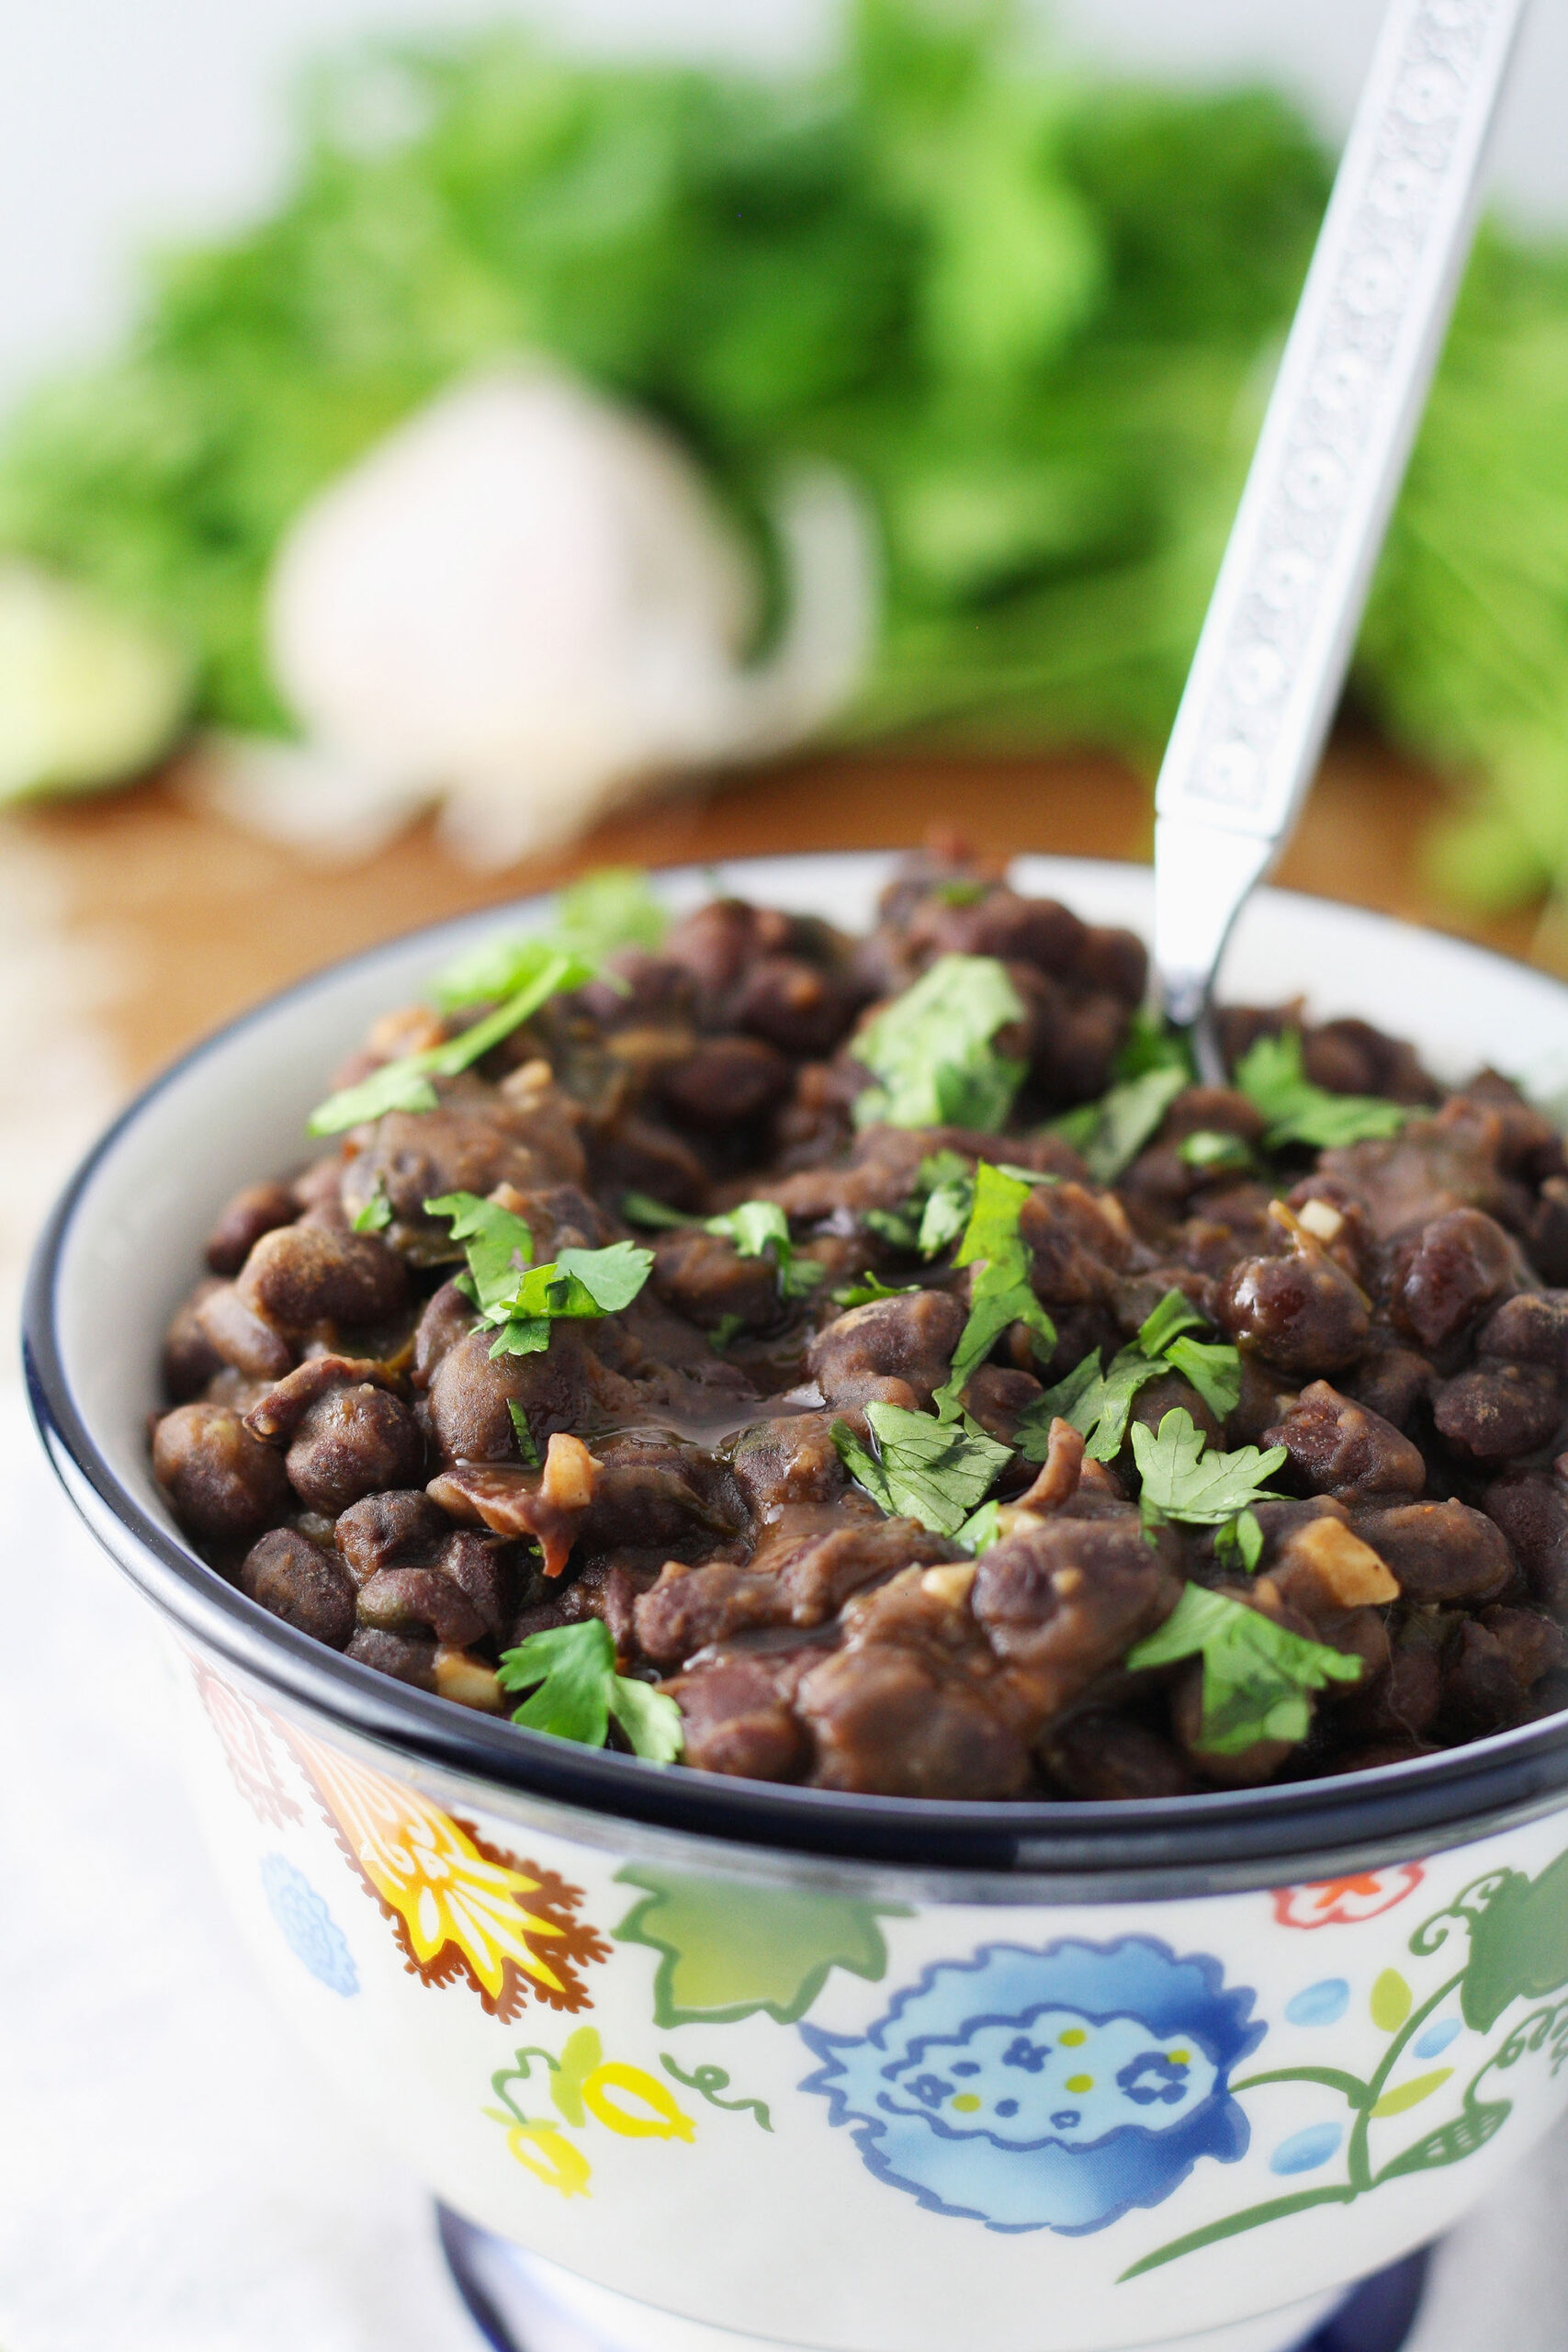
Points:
1351	386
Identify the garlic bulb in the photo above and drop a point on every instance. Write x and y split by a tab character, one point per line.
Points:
525	604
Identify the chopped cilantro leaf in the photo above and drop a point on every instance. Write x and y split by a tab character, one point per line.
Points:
981	1529
405	1084
527	1444
892	1226
934	1471
1001	1293
1150	1045
1175	1314
498	1245
724	1331
1256	1676
1215	1369
867	1288
571	1671
654	1216
1208	1147
1099	1402
931	1050
1182	1481
1270	1075
1102	1412
376	1212
612	909
949	1197
760	1228
1244	1536
522	1300
1111	1133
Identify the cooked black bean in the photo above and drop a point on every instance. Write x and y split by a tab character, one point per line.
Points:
1497	1410
303	1583
1303	1312
1340	1448
353	1441
345	1446
220	1481
301	1276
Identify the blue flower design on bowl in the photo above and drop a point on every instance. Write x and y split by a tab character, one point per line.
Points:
309	1929
1052	2089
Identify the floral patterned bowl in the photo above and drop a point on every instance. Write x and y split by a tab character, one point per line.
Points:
744	2061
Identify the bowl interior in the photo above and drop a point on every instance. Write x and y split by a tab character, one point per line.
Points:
126	1246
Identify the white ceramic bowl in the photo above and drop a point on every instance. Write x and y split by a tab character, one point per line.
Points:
750	2061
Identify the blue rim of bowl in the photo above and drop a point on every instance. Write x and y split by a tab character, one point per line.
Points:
1218	1839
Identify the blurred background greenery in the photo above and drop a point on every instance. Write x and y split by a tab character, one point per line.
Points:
1030	311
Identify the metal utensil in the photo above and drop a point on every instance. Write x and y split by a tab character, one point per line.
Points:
1352	383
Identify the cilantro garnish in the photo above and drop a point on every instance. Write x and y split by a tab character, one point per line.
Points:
521	1301
724	1331
981	1529
932	1470
865	1288
1270	1075
376	1212
577	1286
1211	1147
1148	1045
528	1445
498	1245
1108	1134
1183	1481
654	1216
613	907
577	1692
1001	1293
759	1229
1099	1402
405	1084
931	1050
1256	1675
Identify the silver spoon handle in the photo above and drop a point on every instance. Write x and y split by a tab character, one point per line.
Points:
1350	393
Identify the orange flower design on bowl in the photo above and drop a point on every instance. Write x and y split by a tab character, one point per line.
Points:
1341	1901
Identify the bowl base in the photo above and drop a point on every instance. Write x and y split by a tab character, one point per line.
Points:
523	2305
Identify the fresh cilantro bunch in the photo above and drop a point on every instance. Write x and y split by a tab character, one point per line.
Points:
1001	1293
521	1301
1109	1133
538	972
1270	1075
932	1054
606	909
757	1229
923	1468
1098	1402
1182	1481
1256	1675
571	1671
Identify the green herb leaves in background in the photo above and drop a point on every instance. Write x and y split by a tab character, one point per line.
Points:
1256	1676
570	1670
931	1470
1029	311
931	1050
1270	1075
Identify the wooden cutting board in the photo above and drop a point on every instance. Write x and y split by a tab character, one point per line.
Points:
187	920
